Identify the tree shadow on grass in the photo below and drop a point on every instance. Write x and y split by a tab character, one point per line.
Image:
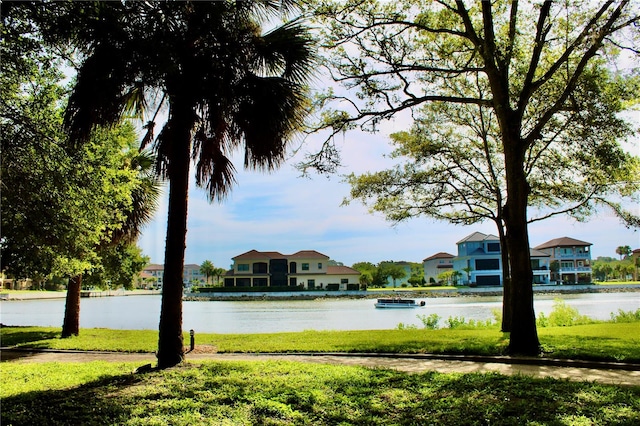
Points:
285	392
93	403
26	336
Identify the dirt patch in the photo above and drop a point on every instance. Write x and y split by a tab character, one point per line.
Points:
202	349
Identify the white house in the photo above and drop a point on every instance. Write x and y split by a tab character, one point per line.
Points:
190	274
571	259
306	268
437	264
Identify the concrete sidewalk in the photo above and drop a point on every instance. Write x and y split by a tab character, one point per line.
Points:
608	373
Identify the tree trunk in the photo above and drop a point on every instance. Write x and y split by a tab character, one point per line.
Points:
524	335
71	324
170	341
506	278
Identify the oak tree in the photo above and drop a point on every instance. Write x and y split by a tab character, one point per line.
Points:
526	63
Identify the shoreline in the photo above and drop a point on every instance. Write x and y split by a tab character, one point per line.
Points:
458	292
320	295
46	295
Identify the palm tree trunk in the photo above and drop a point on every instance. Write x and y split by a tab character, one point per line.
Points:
170	342
71	324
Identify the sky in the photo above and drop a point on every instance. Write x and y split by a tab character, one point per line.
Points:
284	212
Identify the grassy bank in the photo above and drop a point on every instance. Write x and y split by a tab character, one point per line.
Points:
599	341
289	393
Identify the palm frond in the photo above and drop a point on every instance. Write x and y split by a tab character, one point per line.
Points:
214	170
287	51
271	110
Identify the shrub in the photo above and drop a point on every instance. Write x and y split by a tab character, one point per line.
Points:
403	326
628	316
562	315
430	322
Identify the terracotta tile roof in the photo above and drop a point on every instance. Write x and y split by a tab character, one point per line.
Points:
154	267
308	254
254	254
441	255
341	270
562	242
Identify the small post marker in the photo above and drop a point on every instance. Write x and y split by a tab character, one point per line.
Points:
192	334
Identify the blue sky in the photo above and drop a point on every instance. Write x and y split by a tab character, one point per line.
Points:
284	212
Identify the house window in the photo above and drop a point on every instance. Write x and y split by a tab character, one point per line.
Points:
260	268
243	282
493	247
566	265
344	280
319	265
487	264
311	284
259	282
243	267
305	266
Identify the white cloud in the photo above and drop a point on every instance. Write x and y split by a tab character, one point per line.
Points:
283	212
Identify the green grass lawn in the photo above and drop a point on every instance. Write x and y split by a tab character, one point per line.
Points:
293	393
598	341
296	393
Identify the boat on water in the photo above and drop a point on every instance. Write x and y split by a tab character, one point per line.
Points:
398	303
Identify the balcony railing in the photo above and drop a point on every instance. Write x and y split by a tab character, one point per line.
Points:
575	269
573	256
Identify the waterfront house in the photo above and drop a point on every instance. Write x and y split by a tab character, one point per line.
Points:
307	268
479	261
190	275
437	264
570	259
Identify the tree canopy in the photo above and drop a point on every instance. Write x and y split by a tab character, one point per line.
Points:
538	70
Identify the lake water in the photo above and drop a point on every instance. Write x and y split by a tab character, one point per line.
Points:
143	312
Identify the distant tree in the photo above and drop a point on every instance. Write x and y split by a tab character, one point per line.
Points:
392	270
207	269
445	277
623	251
218	273
379	277
367	271
468	270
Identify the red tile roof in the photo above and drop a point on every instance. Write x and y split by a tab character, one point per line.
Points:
308	254
441	255
562	242
302	254
254	254
341	270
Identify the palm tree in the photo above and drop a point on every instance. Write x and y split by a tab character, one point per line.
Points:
207	269
226	84
623	251
218	272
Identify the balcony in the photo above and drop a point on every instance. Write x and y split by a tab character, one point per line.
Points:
574	270
579	255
